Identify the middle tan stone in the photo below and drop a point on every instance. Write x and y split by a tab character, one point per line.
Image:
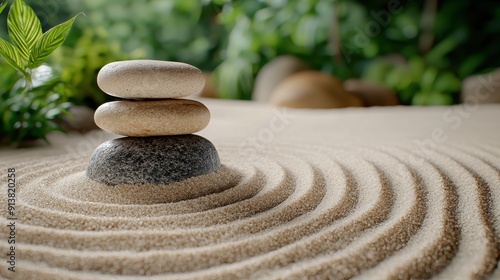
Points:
152	118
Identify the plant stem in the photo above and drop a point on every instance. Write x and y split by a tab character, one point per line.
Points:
427	21
335	40
28	82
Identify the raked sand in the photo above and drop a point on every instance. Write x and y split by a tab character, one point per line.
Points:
378	193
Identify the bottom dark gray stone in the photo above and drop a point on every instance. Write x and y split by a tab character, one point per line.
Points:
152	160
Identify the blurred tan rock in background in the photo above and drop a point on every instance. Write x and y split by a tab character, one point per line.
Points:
275	72
372	94
313	89
484	88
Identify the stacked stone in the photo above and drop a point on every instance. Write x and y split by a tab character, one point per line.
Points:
159	147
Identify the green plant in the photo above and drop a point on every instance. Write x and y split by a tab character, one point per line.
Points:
417	82
32	114
261	30
79	65
29	109
347	38
177	30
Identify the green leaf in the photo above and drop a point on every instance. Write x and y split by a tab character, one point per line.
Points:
3	7
24	27
420	99
12	55
305	32
439	98
49	42
428	78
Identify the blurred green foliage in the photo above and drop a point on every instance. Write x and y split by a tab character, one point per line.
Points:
347	39
114	30
31	115
416	82
78	66
261	30
178	30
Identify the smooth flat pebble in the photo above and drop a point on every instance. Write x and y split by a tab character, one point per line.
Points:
152	117
152	160
137	79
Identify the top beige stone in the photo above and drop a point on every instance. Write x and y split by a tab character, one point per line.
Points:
136	79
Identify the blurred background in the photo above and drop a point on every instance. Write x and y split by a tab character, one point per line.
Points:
295	53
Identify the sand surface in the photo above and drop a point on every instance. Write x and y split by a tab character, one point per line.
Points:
378	193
